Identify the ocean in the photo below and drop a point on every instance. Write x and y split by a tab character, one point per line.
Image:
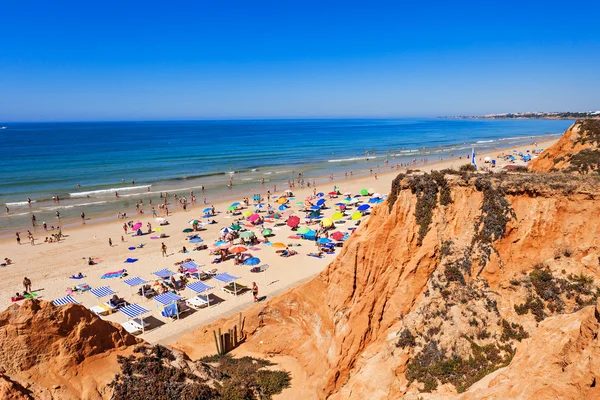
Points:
42	160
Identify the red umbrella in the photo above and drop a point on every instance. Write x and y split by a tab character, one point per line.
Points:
337	236
293	221
332	193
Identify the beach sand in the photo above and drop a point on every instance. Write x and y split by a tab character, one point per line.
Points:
49	265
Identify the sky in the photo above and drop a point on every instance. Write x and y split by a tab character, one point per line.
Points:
130	60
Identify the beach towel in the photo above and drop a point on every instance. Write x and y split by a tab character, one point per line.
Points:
116	274
154	237
315	256
294	237
97	260
170	311
131	260
132	248
83	287
76	277
30	295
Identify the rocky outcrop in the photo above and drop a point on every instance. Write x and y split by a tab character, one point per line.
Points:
577	151
46	348
442	270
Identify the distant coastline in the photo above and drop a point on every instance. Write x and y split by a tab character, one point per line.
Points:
560	115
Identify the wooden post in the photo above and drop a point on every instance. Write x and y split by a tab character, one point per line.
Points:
216	342
235	337
241	326
221	342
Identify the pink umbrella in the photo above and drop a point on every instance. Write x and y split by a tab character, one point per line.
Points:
337	236
137	226
253	217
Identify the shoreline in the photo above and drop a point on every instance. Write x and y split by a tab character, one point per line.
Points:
235	192
50	265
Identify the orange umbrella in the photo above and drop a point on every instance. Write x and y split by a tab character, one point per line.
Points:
279	245
237	249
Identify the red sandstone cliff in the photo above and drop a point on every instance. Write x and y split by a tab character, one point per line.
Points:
343	327
578	150
57	352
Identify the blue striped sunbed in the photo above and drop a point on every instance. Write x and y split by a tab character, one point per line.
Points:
65	300
102	291
167	298
198	287
133	310
135	281
164	273
226	278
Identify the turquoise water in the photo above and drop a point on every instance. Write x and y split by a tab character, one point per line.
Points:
42	160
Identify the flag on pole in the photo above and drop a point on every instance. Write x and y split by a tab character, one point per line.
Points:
473	157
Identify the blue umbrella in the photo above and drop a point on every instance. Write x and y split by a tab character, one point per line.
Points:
320	194
321	202
226	230
196	240
323	241
207	209
252	261
315	208
282	207
235	204
364	207
220	242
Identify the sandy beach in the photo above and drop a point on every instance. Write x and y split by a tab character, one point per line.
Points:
49	265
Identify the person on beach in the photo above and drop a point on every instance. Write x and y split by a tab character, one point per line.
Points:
163	248
27	284
110	242
33	220
125	227
7	209
18	238
83	216
57	214
255	291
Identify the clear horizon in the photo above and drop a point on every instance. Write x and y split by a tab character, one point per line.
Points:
78	62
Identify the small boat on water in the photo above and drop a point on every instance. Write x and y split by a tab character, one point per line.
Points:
3	127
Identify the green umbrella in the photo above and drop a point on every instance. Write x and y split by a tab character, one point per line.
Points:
187	230
247	234
267	232
232	208
236	227
364	192
303	229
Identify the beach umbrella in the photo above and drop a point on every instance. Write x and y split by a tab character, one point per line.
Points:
353	201
235	227
137	226
293	221
187	230
320	194
225	230
247	234
303	229
326	222
316	208
232	208
332	193
224	246
220	242
323	241
377	196
196	240
310	234
193	222
283	207
357	215
237	203
252	261
279	245
337	216
247	213
314	214
345	201
364	207
371	190
207	209
337	235
253	217
238	249
267	232
364	192
321	202
282	200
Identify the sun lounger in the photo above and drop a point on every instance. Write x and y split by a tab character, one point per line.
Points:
100	309
134	326
197	302
239	288
170	311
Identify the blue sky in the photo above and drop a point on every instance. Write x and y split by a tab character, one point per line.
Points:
81	60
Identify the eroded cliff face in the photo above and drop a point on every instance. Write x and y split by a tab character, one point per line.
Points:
471	264
58	352
577	151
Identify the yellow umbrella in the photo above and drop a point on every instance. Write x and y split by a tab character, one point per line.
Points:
282	200
327	222
247	213
337	216
357	215
279	245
